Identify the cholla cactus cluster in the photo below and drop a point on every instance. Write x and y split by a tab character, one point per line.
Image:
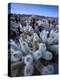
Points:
35	51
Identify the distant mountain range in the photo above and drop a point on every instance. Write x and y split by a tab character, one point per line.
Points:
28	15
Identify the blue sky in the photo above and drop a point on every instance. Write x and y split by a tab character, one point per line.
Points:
44	10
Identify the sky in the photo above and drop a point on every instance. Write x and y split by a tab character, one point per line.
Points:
34	9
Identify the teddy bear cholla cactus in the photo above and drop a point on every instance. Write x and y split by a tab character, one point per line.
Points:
49	69
35	54
16	56
28	70
42	53
43	35
28	59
